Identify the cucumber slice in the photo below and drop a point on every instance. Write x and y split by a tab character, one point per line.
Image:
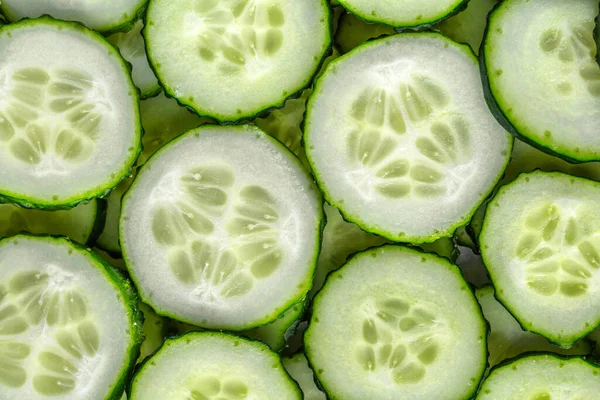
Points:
469	26
56	341
221	228
212	365
399	127
404	13
285	124
69	119
542	377
154	329
298	368
540	242
276	333
133	49
353	31
526	158
411	329
508	340
162	119
213	55
553	103
118	15
81	224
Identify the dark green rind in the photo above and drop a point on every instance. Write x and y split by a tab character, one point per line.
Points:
512	312
513	362
101	207
128	297
225	120
277	313
101	192
191	335
461	6
124	25
333	275
415	240
494	102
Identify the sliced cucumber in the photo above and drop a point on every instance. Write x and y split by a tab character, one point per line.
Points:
298	368
276	333
542	377
285	124
116	15
133	49
212	55
469	26
541	242
541	77
404	13
211	365
411	329
398	128
353	31
162	119
507	339
154	330
80	223
221	228
69	324
69	119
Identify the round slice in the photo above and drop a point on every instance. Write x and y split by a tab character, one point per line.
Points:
211	365
404	13
103	16
540	242
298	368
69	116
411	329
133	49
507	339
69	324
81	224
400	139
232	59
542	80
221	228
542	377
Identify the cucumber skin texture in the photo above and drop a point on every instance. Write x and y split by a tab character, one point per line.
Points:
331	277
166	343
494	105
102	193
129	295
224	120
122	26
352	219
425	25
278	313
485	263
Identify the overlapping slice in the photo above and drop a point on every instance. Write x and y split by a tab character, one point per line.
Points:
221	228
69	118
212	55
403	323
542	377
97	15
541	244
211	365
55	338
553	103
298	368
81	223
399	127
404	13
